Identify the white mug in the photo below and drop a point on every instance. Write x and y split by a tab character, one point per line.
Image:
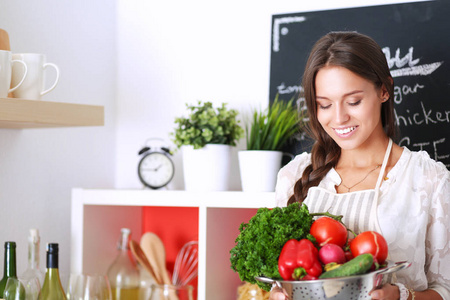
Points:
6	65
33	86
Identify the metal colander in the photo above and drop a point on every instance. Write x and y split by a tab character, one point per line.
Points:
343	288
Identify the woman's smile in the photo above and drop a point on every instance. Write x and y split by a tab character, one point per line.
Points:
345	132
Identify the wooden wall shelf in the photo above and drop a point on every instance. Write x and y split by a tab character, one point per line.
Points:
21	113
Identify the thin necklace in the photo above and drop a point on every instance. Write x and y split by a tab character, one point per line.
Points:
349	188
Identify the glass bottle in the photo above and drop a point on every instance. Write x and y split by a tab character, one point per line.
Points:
33	270
52	288
9	267
123	274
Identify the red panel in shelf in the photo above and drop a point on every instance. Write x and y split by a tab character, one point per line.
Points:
175	226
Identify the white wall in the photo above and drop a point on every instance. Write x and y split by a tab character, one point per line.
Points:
39	167
173	52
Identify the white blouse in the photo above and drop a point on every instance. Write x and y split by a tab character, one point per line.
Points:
413	214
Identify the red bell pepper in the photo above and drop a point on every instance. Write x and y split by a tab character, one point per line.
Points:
299	260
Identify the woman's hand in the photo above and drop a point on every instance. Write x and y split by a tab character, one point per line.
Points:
277	293
387	292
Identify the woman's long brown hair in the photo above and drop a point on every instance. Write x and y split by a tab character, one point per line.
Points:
361	55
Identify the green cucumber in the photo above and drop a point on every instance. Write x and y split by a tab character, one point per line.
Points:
357	266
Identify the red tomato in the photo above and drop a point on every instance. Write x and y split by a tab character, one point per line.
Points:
370	242
329	231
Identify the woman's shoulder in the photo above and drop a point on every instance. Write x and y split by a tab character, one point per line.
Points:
297	164
421	160
288	175
417	168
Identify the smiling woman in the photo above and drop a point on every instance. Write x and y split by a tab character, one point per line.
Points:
347	104
357	171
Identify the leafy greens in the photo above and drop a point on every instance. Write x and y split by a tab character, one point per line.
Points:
260	241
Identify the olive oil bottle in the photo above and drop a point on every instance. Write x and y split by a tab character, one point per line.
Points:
123	274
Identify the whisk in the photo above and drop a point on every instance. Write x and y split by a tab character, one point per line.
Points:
186	264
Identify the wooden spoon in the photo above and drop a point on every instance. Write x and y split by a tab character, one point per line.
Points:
154	249
147	249
142	259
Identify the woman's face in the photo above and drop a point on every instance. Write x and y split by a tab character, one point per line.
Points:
348	106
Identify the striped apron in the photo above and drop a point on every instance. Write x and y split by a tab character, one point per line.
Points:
359	209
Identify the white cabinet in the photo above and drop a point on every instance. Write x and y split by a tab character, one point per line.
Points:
98	215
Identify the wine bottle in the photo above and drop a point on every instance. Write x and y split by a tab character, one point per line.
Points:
9	267
33	270
123	273
52	288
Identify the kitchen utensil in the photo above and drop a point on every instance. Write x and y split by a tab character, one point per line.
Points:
155	251
4	40
348	288
152	259
186	264
142	259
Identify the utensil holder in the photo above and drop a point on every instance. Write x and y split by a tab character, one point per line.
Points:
171	292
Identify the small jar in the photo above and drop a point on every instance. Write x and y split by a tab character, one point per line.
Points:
167	292
248	291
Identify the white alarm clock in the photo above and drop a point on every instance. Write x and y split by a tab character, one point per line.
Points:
156	168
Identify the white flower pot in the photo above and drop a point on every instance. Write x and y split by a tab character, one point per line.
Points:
208	168
259	169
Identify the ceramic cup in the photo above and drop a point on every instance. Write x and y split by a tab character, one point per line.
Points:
33	87
6	65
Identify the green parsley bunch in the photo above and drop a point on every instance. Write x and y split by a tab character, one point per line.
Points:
260	241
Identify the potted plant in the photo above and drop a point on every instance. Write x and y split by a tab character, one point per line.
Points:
266	134
205	137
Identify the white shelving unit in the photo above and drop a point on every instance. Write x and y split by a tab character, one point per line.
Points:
98	215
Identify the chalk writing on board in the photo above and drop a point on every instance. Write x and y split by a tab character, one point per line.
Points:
276	29
399	91
398	61
435	144
424	117
422	114
411	70
283	89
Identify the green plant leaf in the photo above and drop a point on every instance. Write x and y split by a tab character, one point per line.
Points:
271	128
207	125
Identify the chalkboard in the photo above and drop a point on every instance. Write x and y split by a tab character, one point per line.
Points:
415	38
